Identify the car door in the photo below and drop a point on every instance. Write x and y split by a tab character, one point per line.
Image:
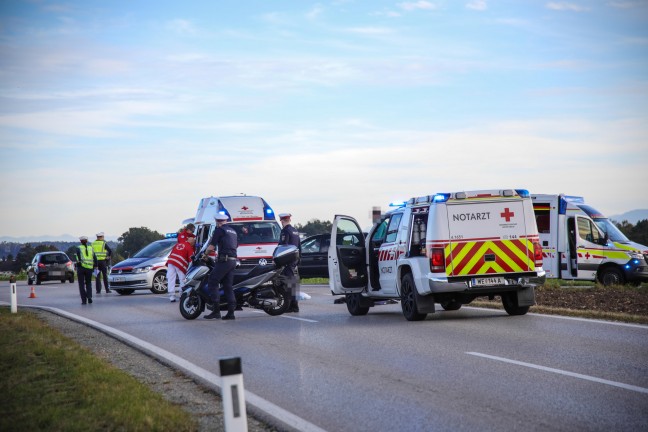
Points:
346	262
589	241
388	255
313	260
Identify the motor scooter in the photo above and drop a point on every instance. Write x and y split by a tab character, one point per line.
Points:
263	288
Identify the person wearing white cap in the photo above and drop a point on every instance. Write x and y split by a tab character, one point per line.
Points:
225	241
290	236
86	262
103	253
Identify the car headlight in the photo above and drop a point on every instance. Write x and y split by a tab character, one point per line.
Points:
637	255
142	269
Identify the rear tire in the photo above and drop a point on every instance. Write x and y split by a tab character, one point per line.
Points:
71	279
408	300
611	276
191	305
159	283
510	303
283	301
125	291
353	305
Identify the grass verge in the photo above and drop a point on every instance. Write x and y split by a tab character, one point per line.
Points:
51	383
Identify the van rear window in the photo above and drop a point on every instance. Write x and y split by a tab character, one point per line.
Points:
256	232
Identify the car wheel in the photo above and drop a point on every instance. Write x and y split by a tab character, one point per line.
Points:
71	278
159	283
451	305
611	276
353	305
408	300
124	291
510	303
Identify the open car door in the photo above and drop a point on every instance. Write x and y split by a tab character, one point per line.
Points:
347	257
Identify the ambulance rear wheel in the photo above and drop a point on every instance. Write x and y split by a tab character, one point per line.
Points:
353	305
510	303
408	300
611	276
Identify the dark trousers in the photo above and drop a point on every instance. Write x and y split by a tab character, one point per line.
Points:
84	275
290	276
102	266
223	273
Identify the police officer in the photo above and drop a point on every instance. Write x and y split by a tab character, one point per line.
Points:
103	253
225	241
86	262
290	236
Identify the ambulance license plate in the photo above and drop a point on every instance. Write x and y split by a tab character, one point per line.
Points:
488	281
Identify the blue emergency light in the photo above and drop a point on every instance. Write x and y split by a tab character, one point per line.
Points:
523	193
171	235
441	197
397	204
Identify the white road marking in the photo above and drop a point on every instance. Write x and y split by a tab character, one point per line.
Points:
289	317
562	372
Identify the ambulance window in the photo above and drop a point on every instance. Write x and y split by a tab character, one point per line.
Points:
392	229
588	231
417	241
542	220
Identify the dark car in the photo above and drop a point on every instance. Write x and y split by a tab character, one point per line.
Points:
314	254
48	266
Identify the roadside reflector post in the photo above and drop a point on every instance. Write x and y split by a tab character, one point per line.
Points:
233	395
14	295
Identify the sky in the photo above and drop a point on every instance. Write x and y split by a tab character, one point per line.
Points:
125	114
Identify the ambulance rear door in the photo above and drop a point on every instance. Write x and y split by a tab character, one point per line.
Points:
347	257
488	239
546	216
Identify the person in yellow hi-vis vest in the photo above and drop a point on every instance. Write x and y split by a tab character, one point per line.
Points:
86	262
103	253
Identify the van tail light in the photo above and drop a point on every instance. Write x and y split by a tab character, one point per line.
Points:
437	260
537	253
41	265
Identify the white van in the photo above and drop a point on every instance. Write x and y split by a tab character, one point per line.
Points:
580	243
446	248
254	222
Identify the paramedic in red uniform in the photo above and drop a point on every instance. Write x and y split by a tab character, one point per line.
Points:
178	262
184	233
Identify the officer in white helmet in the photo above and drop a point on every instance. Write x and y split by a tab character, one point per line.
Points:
225	242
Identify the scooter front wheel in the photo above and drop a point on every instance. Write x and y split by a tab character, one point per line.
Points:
191	305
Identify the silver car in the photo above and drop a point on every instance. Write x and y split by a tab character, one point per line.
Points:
144	270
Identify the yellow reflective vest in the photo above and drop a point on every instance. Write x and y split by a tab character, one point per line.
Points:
99	247
87	256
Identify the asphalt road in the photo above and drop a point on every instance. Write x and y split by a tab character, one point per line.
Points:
472	369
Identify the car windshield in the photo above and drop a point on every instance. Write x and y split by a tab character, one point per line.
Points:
611	230
256	232
156	249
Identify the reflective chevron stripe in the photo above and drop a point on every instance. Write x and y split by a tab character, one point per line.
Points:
504	256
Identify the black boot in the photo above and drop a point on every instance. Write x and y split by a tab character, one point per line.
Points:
229	316
214	315
294	306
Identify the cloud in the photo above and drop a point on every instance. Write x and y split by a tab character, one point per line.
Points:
563	6
479	5
628	4
315	12
417	5
182	27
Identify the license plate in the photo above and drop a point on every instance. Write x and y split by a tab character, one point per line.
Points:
117	279
488	281
56	273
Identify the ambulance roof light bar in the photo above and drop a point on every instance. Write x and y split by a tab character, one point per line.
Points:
523	193
397	204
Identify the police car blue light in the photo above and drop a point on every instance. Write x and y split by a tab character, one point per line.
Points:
171	235
397	204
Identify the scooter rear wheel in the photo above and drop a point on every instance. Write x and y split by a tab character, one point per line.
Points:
283	301
191	305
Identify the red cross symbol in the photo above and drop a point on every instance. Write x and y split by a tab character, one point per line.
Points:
587	255
507	214
244	208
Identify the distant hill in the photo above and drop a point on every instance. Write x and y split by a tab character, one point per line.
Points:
632	216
